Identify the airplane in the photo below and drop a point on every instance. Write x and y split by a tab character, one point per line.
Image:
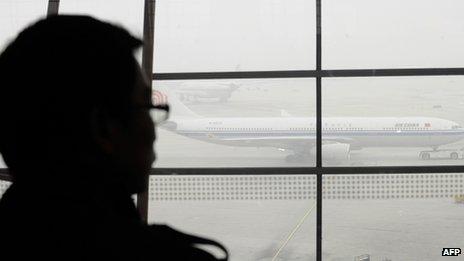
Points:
340	135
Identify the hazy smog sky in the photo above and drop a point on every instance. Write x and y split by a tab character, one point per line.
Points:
220	35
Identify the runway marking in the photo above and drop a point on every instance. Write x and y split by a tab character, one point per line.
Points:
290	236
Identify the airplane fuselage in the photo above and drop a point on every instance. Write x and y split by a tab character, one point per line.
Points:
358	132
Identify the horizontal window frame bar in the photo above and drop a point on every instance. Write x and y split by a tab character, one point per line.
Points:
233	75
310	170
444	169
232	171
401	72
394	72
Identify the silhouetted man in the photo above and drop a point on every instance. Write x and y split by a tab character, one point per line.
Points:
77	136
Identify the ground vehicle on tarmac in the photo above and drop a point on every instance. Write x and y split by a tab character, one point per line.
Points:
454	154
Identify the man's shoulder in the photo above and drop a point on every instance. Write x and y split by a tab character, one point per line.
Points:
177	245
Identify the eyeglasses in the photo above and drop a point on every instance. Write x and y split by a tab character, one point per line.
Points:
159	113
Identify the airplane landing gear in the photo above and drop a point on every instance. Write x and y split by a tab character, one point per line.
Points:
424	155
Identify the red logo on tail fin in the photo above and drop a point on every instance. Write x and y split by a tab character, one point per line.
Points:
159	98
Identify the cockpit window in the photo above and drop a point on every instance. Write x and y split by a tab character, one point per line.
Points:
456	127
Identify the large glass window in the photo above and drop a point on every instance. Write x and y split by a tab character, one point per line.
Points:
256	217
362	34
15	15
128	14
391	217
2	163
231	35
237	123
243	78
4	185
394	121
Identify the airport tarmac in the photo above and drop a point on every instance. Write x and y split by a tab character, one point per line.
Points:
396	230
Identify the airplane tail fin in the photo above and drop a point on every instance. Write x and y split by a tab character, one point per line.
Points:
178	109
234	86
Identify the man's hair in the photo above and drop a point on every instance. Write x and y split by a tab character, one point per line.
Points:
53	76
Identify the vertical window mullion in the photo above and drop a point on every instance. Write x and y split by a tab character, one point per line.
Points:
53	7
318	133
147	66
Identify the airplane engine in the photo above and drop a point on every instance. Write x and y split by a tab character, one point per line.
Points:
335	151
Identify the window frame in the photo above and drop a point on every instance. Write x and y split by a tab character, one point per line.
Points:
319	170
318	74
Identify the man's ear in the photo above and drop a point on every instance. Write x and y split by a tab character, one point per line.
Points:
105	131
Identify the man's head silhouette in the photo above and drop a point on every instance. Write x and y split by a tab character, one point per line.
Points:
74	105
77	135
